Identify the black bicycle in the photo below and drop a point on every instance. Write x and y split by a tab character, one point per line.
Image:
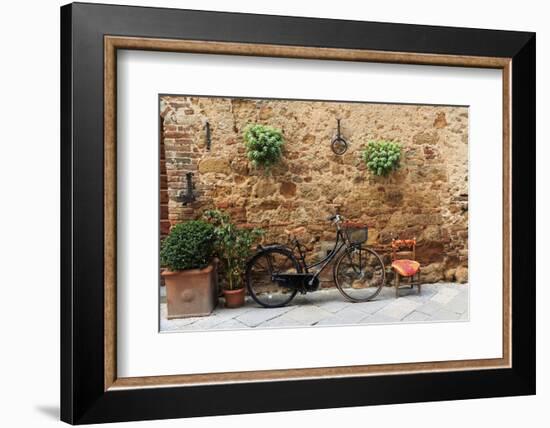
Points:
275	274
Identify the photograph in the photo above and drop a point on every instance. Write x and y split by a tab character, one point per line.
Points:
289	213
271	212
248	214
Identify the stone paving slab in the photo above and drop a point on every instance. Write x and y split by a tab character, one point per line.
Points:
458	304
333	305
429	307
309	314
282	321
346	316
377	318
445	295
437	302
425	295
445	315
231	324
416	316
399	308
258	316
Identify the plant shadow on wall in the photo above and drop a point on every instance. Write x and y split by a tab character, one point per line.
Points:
271	166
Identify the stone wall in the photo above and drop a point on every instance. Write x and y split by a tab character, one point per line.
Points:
426	198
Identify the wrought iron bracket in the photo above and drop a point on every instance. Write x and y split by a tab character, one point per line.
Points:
339	145
207	132
189	195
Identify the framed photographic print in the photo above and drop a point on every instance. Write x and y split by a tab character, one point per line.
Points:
265	213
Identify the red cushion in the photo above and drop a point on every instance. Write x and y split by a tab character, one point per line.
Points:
406	267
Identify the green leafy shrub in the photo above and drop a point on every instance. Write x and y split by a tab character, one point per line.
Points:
382	157
263	145
233	246
189	245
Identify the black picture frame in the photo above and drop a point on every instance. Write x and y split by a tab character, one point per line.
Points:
83	398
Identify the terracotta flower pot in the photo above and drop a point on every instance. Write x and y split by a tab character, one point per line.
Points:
191	293
234	298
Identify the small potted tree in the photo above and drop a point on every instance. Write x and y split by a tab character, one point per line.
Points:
233	247
191	274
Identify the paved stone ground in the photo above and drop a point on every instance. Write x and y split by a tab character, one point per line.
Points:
438	302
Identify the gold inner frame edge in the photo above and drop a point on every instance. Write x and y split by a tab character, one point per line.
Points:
113	43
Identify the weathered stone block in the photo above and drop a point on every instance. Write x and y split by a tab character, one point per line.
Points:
440	120
461	274
288	189
426	137
394	197
264	188
240	166
450	275
214	165
432	273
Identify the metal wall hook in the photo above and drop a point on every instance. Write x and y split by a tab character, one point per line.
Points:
339	145
189	195
208	141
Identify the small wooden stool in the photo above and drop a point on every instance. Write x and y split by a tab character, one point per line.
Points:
407	268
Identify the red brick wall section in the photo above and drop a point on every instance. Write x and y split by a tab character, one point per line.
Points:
163	198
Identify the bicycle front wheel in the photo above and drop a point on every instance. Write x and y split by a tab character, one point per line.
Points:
259	277
359	274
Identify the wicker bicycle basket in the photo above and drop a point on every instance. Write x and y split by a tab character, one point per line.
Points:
357	233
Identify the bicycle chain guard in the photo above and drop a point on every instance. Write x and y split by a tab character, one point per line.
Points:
300	281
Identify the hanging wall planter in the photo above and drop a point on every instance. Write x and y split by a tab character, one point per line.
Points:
382	157
263	145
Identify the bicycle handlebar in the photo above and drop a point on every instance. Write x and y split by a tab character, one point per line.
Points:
334	217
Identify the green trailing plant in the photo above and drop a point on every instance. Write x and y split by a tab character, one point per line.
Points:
263	145
382	157
233	246
189	245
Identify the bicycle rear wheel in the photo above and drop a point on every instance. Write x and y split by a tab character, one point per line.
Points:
259	277
359	274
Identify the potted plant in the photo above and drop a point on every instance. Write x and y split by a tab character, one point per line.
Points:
263	145
233	248
382	157
191	274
